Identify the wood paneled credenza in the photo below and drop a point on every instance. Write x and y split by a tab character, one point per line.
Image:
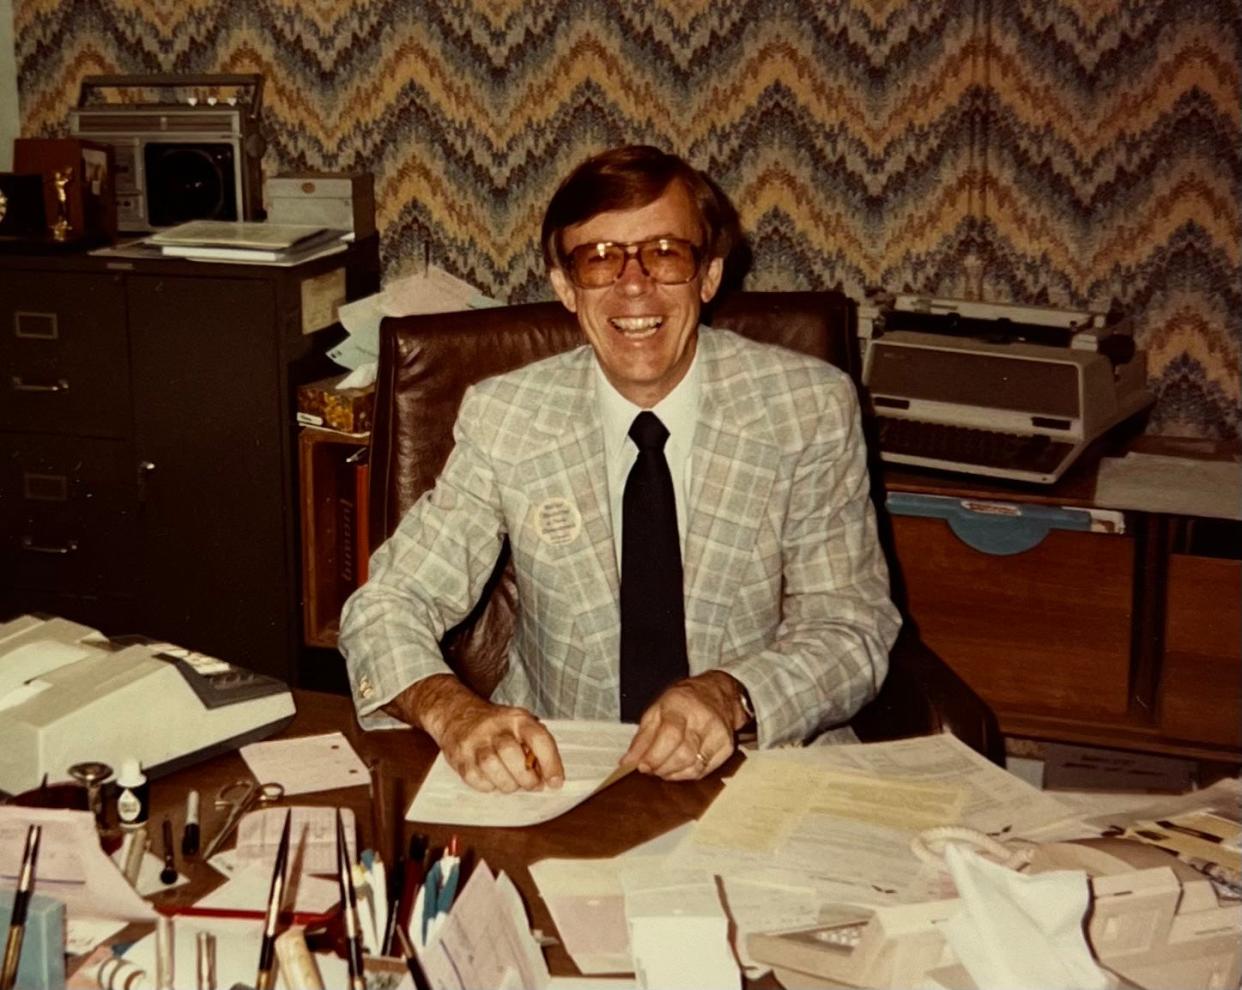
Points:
1118	628
148	441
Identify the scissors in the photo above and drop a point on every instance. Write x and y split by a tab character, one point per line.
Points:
239	797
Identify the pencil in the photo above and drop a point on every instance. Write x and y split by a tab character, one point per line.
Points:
349	902
21	904
267	950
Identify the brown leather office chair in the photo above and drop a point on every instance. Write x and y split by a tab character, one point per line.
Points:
426	363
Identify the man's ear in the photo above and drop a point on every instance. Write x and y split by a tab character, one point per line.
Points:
711	279
564	289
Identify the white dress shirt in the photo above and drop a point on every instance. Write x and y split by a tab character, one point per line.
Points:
679	412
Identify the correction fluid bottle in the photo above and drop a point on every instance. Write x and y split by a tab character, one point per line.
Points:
133	800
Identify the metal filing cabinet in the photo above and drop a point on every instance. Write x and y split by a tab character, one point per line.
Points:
147	442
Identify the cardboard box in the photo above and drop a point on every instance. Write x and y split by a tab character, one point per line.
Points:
348	410
90	196
342	201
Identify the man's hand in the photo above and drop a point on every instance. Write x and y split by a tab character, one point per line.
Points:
688	731
492	747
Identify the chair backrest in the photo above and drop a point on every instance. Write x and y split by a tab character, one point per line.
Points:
428	361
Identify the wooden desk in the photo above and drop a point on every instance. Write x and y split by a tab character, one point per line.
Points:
1124	639
632	810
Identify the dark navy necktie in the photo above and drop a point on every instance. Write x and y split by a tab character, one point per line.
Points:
653	617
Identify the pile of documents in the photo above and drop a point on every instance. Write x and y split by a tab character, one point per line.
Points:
249	242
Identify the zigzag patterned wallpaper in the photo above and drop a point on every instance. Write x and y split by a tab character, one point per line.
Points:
1073	152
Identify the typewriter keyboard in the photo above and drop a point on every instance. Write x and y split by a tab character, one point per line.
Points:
962	445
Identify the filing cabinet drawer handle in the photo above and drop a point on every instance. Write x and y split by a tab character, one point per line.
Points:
60	385
69	547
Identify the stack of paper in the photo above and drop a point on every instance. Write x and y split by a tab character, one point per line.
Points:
247	241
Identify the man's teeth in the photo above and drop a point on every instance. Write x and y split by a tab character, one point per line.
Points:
637	324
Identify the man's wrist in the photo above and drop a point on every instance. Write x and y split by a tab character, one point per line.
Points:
425	703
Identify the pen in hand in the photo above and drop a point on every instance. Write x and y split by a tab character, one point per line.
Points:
21	904
267	950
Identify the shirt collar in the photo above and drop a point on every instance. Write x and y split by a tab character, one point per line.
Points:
678	410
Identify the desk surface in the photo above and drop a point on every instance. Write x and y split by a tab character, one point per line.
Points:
632	810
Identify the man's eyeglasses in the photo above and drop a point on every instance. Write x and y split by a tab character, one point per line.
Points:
667	260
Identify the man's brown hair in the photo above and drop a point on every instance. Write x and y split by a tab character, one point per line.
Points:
630	177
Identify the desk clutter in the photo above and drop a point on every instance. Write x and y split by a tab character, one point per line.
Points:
68	695
906	863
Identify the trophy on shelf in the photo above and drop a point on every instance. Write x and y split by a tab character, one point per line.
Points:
62	228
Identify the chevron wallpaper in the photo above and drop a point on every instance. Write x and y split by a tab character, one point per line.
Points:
1076	152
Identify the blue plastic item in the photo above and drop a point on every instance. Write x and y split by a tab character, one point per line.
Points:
997	528
42	965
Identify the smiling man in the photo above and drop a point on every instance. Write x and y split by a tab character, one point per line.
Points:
693	542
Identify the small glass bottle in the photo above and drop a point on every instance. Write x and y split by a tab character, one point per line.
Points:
133	799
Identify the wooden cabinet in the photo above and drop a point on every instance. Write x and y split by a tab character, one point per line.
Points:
1114	631
1202	679
147	422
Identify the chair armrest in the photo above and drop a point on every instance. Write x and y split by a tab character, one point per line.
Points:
922	695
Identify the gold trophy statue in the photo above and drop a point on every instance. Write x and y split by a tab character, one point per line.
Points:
62	228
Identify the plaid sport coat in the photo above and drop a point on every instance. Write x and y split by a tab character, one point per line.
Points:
785	584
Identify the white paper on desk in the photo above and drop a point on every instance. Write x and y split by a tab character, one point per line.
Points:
849	844
485	941
306	763
587	902
312	837
589	752
72	867
82	935
237	956
997	802
237	951
1180	485
248	889
765	828
149	871
679	932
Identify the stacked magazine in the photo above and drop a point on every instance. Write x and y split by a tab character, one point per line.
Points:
247	241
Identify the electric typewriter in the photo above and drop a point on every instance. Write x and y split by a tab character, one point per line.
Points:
999	390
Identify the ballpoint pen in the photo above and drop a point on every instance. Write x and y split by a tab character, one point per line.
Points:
21	903
190	834
267	950
169	873
349	902
411	960
440	888
413	871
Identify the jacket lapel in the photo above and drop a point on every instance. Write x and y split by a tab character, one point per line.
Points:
736	459
565	460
